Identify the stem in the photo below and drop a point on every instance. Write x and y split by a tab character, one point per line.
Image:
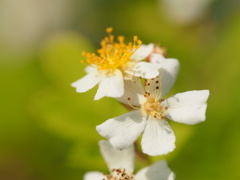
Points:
141	155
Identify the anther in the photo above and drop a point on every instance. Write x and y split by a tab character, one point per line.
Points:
166	108
157	81
120	39
157	87
135	38
128	98
109	30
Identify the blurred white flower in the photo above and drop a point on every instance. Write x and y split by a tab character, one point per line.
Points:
185	11
121	165
151	111
24	23
116	62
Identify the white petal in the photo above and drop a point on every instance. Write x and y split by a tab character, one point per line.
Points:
188	107
87	82
123	130
157	171
115	158
89	69
158	137
143	52
157	59
168	71
111	86
94	175
134	91
143	69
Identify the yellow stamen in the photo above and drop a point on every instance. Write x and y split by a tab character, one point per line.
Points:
153	92
129	103
112	54
153	107
109	30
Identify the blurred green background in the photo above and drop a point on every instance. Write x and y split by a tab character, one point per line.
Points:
47	130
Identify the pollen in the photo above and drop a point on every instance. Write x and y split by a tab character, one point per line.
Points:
109	30
112	54
119	174
153	108
153	104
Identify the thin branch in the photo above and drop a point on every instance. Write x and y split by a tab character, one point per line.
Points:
143	157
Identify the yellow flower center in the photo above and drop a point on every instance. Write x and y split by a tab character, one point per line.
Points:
153	108
112	55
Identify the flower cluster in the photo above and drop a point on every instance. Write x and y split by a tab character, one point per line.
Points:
138	76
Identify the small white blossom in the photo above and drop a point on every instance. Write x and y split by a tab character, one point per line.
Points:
152	111
115	63
186	11
121	165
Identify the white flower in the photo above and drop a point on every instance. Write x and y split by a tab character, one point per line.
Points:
116	62
121	165
152	111
185	11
